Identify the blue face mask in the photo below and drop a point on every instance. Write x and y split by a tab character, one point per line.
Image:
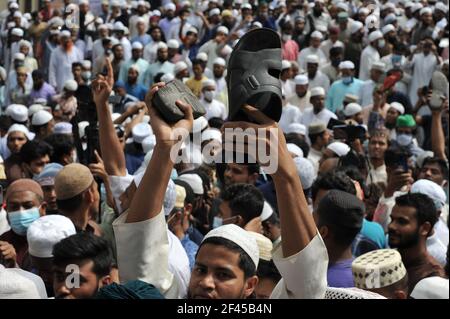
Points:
22	219
404	139
396	59
347	80
217	222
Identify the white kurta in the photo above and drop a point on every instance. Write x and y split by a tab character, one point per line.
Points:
301	102
126	48
366	93
320	80
422	67
214	109
368	56
150	51
323	116
60	68
311	51
289	114
288	88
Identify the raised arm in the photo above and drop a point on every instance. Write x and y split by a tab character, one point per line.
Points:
112	152
437	131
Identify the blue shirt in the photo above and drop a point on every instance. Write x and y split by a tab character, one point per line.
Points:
375	232
337	92
143	39
136	90
340	275
191	250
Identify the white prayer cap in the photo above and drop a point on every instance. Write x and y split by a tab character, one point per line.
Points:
140	20
87	64
426	10
317	35
41	117
246	6
215	11
375	35
71	85
115	3
173	44
432	190
417	6
364	11
203	56
212	134
372	22
80	2
391	17
285	64
378	65
137	45
110	26
180	66
118	26
62	128
257	24
156	13
296	128
347	65
240	237
352	109
343	6
167	77
141	131
82	128
317	91
161	45
2	73
17	14
65	34
265	246
99	21
294	149
200	124
267	211
399	107
170	6
356	26
170	198
219	61
24	43
388	5
17	32
16	283
54	32
21	128
192	30
378	269
312	58
34	108
222	29
47	231
208	82
409	4
301	79
387	28
14	5
56	22
135	67
305	171
17	112
431	288
339	148
194	181
441	7
19	56
148	143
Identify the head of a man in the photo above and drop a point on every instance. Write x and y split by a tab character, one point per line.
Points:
47	181
240	204
82	265
38	79
434	169
378	144
77	195
24	204
317	99
412	221
241	173
118	52
15	140
64	150
319	135
328	181
34	155
198	68
133	74
156	34
225	265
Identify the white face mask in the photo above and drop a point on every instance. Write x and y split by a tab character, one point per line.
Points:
404	139
209	95
381	43
217	222
286	37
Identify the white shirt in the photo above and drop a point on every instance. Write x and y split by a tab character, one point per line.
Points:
326	45
60	68
323	116
366	93
301	102
214	109
150	52
311	51
4	225
376	175
221	85
97	49
368	56
320	80
437	249
289	114
288	88
133	24
422	67
126	48
314	156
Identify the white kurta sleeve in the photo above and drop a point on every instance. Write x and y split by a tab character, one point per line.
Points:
52	69
142	253
304	275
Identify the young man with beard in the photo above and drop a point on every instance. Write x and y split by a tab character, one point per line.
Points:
316	77
219	66
60	68
413	218
319	137
378	144
137	60
302	93
162	65
132	86
370	54
41	89
318	112
150	50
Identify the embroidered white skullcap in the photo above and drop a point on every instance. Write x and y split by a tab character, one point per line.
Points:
285	64
207	83
265	246
141	131
375	35
391	17
99	21
219	61
170	6
17	112
56	21
137	45
180	66
13	5
203	56
156	13
377	269
148	143
19	56
71	85
140	20
194	181
192	30
312	58
47	231
343	6
346	65
267	211
16	283
240	237
246	6
356	26
317	35
294	149
317	91
432	190
305	171
398	106
62	128
211	134
352	109
387	28
296	128
378	65
364	10
34	108
350	293
223	29
301	79
431	288
41	117
339	148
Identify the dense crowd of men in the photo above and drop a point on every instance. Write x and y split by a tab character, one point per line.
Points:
94	205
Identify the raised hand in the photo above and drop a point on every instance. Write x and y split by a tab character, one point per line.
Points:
102	86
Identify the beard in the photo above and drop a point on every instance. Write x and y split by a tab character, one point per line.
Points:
300	95
403	241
